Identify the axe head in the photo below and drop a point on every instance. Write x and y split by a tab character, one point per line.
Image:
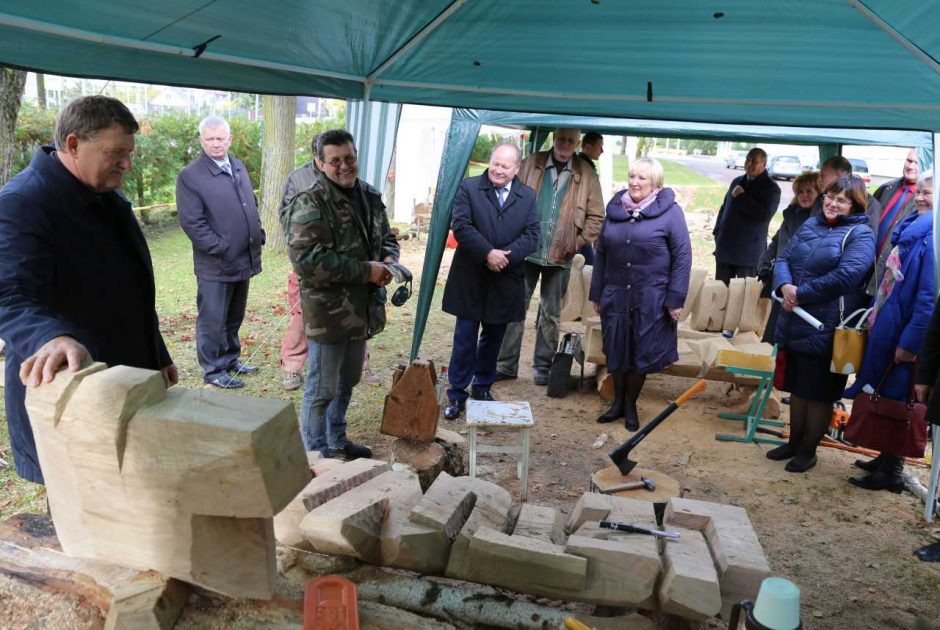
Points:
622	459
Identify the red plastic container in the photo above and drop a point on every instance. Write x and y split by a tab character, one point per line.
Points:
330	603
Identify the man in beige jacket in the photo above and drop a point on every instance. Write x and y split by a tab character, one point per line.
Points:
571	212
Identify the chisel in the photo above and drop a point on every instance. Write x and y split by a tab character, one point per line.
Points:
636	529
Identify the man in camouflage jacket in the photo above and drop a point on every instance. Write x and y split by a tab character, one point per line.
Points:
338	236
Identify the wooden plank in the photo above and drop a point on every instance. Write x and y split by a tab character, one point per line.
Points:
735	304
491	509
411	408
696	280
518	562
542	522
594	344
446	506
739	359
689	586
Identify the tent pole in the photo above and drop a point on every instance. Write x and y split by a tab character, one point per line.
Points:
931	500
912	48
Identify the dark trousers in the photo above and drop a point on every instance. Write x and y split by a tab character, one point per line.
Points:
725	271
473	359
221	309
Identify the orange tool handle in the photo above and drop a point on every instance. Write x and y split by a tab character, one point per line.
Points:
573	624
698	388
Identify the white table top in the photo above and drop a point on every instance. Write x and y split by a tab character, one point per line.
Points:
499	413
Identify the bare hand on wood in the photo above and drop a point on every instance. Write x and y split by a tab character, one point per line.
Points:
171	376
42	366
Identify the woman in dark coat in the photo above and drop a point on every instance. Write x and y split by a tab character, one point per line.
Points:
903	303
830	257
805	192
641	276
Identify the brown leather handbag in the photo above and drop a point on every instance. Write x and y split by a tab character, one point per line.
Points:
887	425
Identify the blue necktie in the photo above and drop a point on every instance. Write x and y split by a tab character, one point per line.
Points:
501	196
228	169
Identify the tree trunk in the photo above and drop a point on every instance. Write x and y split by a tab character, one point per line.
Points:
12	83
277	162
41	90
623	146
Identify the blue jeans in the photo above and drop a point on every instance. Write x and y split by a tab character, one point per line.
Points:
333	371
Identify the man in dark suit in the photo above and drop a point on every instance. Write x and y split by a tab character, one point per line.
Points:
496	226
741	227
76	281
218	212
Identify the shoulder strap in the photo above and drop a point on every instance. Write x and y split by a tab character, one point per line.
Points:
841	251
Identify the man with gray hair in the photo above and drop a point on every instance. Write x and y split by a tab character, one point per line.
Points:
496	226
218	211
76	281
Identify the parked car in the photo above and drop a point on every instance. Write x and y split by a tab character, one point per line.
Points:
735	159
860	168
784	167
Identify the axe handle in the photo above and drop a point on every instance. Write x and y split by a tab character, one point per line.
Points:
698	388
629	485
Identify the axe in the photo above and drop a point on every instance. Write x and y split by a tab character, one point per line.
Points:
621	454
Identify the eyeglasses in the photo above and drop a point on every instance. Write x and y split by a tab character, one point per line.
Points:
336	162
845	203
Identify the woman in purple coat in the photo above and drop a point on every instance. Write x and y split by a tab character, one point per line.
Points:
641	276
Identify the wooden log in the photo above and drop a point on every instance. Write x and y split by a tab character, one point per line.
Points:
735	304
689	586
519	562
411	408
427	459
605	384
709	313
491	509
696	280
179	481
666	486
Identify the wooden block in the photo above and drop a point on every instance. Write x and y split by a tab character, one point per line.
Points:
688	365
542	522
739	359
605	384
684	332
696	280
411	408
421	548
771	411
707	350
591	506
689	586
518	562
491	509
572	302
735	304
339	479
709	312
140	475
745	338
450	437
364	521
425	458
446	506
587	307
622	568
734	545
755	310
594	345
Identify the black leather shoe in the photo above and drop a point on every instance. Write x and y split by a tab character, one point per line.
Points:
352	451
631	417
482	395
782	452
226	382
870	465
540	378
241	368
453	409
800	463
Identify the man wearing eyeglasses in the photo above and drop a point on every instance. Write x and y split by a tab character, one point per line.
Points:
741	226
338	238
218	211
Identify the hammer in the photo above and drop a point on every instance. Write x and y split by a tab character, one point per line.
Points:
644	482
621	454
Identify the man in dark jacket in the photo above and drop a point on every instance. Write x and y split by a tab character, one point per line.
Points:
338	238
741	227
496	226
896	199
76	281
219	214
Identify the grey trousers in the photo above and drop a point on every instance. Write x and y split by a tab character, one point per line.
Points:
553	286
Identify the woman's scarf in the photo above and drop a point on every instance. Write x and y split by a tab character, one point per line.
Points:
891	278
636	207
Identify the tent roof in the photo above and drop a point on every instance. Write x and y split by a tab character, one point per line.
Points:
829	63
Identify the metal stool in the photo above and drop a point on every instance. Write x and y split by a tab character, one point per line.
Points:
499	416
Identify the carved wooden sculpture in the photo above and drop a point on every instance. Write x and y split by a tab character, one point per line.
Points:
182	482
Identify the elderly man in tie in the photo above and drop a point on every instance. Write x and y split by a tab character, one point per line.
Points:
496	226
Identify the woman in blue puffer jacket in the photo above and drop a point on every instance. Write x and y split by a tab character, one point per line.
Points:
830	257
903	304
